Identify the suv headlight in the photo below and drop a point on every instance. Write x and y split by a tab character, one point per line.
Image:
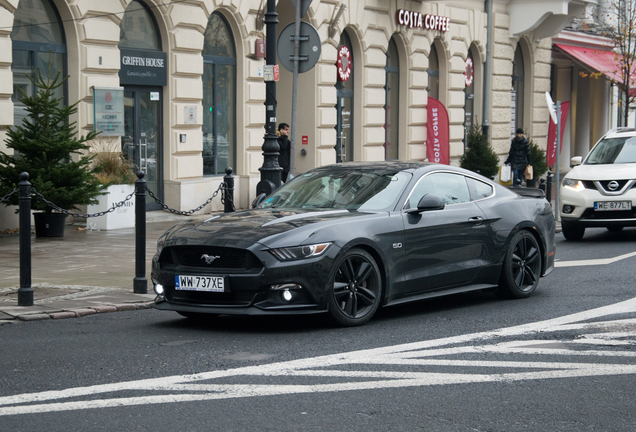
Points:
577	185
299	252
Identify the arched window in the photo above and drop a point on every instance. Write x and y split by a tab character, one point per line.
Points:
219	97
517	91
38	41
138	28
391	107
433	73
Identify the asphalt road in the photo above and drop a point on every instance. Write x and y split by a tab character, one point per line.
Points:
562	360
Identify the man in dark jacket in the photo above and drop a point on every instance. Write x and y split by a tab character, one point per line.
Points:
518	157
284	152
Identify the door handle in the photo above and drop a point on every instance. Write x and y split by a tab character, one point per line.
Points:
477	220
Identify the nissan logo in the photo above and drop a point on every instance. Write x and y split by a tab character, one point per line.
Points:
613	185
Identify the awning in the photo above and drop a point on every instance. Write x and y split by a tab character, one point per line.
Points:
599	60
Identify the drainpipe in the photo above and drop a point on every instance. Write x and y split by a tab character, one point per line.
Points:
486	111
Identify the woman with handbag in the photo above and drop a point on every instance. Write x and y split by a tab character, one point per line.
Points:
518	157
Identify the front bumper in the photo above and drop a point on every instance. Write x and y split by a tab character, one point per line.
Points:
584	215
249	291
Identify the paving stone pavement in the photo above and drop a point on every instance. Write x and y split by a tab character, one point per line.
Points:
83	273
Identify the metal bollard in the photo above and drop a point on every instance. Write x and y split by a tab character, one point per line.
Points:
140	283
542	185
25	292
229	191
548	187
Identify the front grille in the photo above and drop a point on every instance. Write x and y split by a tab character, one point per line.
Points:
604	215
208	257
605	185
238	298
589	184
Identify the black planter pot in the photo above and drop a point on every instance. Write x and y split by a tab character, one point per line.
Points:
531	183
49	224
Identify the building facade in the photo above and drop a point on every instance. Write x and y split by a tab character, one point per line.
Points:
192	77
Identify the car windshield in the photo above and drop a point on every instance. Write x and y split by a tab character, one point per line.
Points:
613	151
341	189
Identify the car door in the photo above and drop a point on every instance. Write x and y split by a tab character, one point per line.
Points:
447	247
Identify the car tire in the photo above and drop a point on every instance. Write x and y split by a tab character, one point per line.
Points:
615	228
521	268
572	232
198	316
355	288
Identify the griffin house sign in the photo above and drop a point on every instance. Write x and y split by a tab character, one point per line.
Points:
143	67
413	19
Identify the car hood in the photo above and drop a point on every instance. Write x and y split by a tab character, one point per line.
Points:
603	172
266	226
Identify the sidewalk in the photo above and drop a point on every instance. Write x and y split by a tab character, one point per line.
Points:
83	273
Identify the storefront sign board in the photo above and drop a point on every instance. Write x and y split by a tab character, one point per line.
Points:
108	110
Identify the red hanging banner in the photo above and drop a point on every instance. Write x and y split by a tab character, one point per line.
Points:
437	132
550	154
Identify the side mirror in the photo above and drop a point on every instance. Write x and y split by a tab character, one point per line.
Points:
259	199
427	203
576	160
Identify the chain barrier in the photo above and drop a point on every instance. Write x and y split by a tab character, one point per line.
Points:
189	212
229	198
7	196
54	206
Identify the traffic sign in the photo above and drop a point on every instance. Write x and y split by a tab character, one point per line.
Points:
309	50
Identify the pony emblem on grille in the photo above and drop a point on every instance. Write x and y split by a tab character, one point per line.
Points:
209	258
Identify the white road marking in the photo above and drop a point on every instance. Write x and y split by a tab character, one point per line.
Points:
592	262
420	355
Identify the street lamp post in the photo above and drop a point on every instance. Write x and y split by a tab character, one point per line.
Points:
270	171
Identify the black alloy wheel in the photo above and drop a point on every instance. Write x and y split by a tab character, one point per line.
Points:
355	288
521	268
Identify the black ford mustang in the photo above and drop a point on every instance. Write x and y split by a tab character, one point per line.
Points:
349	238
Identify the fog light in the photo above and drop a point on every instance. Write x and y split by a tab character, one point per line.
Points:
287	295
159	289
567	209
288	286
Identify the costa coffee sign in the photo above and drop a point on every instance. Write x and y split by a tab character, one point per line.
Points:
344	63
429	22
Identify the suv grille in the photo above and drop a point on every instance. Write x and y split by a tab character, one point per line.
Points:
218	258
603	215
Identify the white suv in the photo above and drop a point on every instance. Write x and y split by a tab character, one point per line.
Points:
601	191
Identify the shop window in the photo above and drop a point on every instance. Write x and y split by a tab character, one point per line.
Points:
219	97
391	106
517	93
433	73
38	42
138	28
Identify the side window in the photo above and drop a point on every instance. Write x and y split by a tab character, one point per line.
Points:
479	190
451	188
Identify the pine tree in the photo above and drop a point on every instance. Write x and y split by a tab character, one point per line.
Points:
479	156
44	146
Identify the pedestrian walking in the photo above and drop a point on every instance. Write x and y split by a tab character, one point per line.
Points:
284	145
518	157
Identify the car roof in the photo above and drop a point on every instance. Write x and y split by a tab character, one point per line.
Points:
378	165
620	132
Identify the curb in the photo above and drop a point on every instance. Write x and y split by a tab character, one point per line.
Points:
80	312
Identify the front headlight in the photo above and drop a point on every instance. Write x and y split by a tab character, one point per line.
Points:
299	252
577	185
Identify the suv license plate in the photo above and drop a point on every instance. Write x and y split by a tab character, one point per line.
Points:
199	283
612	205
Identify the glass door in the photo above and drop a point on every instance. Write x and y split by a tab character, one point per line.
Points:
142	142
344	131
